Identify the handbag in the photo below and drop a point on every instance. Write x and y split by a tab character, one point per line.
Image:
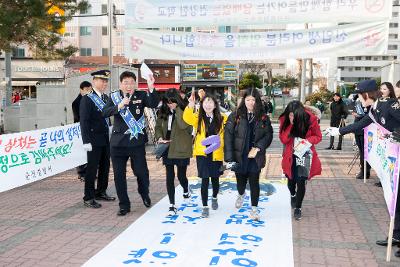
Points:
303	164
161	150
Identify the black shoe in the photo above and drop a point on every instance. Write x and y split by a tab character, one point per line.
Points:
123	212
378	184
329	148
297	214
397	254
293	201
92	204
104	196
146	201
360	175
81	178
338	148
395	242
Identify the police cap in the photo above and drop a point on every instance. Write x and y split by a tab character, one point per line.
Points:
366	86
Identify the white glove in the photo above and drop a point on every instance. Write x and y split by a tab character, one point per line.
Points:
229	165
332	131
87	147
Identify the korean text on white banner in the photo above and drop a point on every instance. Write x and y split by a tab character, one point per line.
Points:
153	13
383	156
350	39
30	156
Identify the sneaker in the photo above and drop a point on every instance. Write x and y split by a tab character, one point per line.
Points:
297	214
254	215
187	195
293	201
214	203
172	211
239	201
206	212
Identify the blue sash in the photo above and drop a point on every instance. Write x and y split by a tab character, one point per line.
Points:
99	104
134	126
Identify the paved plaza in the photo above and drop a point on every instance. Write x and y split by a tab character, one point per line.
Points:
46	224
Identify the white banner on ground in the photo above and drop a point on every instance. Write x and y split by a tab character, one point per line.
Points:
227	238
351	39
383	156
174	13
27	157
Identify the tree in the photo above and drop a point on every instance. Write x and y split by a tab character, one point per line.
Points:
250	80
260	69
37	23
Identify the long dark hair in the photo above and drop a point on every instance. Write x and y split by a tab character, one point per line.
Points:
391	89
258	107
300	121
217	117
171	96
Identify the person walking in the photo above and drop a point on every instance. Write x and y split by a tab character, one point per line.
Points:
84	88
129	136
171	129
209	126
338	115
95	137
248	133
299	132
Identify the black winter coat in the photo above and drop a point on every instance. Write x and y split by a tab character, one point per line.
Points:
235	136
338	111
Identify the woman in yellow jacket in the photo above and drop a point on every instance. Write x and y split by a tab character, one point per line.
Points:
208	122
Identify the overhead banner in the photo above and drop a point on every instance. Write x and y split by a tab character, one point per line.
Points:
27	157
174	13
383	156
227	238
351	39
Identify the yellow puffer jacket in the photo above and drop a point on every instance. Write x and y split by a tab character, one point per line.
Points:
191	118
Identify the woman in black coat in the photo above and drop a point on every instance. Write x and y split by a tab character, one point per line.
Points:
248	133
338	113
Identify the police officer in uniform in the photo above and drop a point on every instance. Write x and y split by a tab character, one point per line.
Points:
386	112
129	136
95	137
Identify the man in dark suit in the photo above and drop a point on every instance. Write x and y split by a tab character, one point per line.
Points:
85	87
129	136
95	137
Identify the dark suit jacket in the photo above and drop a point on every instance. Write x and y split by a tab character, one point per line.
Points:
94	128
139	100
75	107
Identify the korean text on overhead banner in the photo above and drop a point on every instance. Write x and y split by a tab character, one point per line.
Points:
30	156
173	13
350	39
383	156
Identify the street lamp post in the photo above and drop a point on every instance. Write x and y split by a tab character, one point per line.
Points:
110	54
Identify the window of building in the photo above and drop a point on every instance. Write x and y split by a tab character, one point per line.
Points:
104	8
393	25
393	36
368	58
341	68
351	59
350	69
225	29
104	51
18	52
104	30
85	12
85	31
395	14
358	58
392	47
375	69
69	34
188	29
177	29
341	58
368	68
394	57
152	29
396	2
385	58
376	58
86	52
357	68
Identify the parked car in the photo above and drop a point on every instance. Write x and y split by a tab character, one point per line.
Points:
276	92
